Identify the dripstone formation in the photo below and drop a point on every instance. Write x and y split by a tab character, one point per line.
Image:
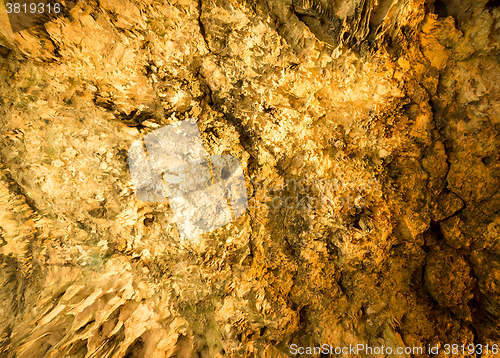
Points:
368	134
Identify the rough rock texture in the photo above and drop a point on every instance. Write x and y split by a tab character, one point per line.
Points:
386	112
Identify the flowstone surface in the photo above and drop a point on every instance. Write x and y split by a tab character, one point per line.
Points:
368	136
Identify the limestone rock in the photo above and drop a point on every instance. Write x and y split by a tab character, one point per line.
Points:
367	133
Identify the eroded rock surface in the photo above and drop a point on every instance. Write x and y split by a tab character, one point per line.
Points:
368	133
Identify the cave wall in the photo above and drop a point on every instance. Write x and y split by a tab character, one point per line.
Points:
385	112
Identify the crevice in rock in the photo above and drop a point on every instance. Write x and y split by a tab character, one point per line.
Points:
201	25
493	3
440	8
15	187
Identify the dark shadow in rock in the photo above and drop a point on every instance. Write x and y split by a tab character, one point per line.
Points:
493	3
440	8
25	14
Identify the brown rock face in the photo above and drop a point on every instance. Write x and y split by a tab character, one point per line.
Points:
368	135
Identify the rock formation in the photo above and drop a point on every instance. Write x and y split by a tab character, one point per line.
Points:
368	132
